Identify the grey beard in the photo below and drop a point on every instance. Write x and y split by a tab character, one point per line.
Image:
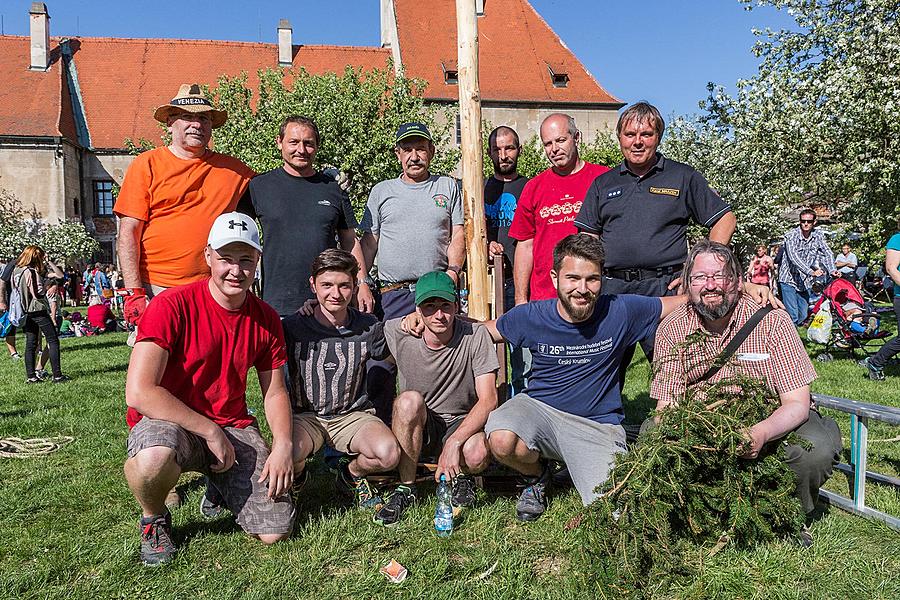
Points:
714	313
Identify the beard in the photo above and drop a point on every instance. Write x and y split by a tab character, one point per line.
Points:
716	311
576	312
505	169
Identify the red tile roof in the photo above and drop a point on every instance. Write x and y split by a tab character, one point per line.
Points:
515	46
31	101
123	80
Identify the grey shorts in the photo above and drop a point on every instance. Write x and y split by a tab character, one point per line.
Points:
588	448
254	512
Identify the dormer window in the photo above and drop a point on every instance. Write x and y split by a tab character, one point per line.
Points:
451	72
559	75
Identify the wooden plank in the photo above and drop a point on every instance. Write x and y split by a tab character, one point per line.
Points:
472	162
886	414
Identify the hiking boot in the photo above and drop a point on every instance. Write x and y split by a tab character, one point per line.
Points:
875	373
805	537
400	499
157	546
212	504
462	492
358	488
533	500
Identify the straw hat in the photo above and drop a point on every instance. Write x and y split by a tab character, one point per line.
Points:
190	99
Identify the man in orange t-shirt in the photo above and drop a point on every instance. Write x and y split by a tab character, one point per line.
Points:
170	198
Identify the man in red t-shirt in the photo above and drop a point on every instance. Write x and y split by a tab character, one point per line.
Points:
547	208
186	396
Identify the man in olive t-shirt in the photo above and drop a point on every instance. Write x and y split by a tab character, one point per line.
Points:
449	378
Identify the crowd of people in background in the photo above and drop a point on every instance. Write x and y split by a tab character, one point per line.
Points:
358	341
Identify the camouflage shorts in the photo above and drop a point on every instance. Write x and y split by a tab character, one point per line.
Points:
254	512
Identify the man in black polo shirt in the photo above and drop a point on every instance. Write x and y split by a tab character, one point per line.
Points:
301	211
641	210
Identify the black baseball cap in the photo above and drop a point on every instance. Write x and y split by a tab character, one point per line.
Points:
409	130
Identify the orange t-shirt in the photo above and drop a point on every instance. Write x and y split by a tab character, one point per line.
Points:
178	200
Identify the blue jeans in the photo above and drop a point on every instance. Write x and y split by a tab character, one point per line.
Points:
796	302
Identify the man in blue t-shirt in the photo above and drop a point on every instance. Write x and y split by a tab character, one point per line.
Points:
891	348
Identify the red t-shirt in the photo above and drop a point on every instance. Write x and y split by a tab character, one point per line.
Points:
98	314
211	349
546	213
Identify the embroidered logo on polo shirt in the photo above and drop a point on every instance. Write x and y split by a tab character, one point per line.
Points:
665	191
324	202
614	193
441	200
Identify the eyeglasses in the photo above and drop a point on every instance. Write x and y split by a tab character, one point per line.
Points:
701	278
807	220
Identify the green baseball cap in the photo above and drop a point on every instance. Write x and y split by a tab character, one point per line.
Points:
436	284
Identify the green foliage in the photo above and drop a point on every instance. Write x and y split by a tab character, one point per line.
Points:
67	240
683	493
818	122
357	114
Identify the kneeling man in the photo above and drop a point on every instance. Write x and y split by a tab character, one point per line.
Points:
187	407
772	353
327	354
449	378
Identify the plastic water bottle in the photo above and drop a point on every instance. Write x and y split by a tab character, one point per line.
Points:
443	512
464	301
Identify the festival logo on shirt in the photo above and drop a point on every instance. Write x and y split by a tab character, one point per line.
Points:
562	212
441	200
579	354
501	212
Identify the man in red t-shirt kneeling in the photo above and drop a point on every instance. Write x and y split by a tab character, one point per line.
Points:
187	407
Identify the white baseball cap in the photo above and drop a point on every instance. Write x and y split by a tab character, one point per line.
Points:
234	227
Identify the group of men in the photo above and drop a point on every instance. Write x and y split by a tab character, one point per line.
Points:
195	343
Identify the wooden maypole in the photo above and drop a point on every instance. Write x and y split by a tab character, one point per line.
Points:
472	158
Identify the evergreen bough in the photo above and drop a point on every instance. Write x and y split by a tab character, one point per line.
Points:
683	493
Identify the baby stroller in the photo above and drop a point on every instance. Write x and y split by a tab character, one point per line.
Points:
849	335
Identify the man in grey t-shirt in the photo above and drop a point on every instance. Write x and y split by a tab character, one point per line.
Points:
413	225
449	378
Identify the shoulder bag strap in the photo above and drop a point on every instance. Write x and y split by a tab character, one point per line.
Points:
735	343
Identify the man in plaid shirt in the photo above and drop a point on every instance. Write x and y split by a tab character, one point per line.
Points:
772	353
806	256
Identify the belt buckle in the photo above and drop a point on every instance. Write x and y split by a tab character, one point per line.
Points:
629	275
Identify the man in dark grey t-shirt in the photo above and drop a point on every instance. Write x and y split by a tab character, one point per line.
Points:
301	211
449	378
327	353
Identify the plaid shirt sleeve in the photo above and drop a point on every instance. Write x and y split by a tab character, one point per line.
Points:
668	367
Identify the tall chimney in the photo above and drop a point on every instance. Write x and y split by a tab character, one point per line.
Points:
40	36
285	44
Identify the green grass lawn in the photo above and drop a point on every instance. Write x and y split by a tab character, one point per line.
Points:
68	524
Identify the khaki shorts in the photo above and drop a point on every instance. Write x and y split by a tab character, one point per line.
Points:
253	510
337	431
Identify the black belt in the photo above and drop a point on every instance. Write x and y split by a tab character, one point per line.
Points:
641	274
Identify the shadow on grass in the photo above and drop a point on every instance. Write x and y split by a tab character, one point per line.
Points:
74	374
94	345
22	412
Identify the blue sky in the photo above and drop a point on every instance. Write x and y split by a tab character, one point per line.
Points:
665	53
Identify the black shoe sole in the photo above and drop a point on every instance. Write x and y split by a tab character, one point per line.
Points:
527	517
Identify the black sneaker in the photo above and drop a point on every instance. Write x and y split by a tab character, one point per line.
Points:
875	373
157	546
358	488
533	500
402	498
34	380
462	492
212	504
62	379
41	374
15	356
297	486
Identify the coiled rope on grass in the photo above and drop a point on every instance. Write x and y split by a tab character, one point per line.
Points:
13	447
